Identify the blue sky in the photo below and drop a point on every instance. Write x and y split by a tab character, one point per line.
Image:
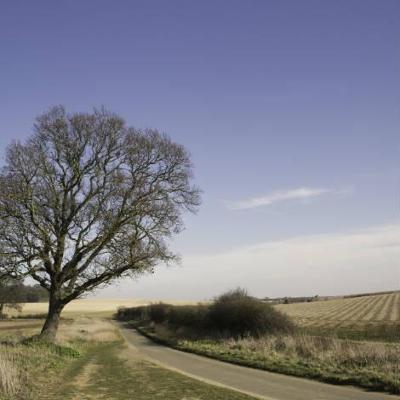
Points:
291	110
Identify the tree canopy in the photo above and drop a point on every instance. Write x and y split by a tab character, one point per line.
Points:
87	199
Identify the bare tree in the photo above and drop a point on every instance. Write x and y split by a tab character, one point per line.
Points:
87	200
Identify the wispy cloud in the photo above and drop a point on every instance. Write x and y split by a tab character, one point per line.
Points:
279	196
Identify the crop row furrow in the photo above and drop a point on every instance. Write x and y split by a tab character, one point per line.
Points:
376	308
395	312
339	307
385	312
366	312
349	313
345	313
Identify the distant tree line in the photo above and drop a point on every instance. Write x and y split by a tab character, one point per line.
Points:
14	292
289	300
31	293
351	296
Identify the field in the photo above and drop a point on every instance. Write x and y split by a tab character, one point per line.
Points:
98	307
367	317
373	314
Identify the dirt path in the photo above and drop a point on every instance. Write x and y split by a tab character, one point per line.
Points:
82	382
258	383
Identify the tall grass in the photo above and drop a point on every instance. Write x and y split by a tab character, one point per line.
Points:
19	365
331	352
11	377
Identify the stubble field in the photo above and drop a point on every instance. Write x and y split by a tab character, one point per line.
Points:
376	309
372	316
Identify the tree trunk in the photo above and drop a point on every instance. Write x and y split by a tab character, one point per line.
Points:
50	327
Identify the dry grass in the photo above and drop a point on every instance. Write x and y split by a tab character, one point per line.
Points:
11	376
88	329
326	351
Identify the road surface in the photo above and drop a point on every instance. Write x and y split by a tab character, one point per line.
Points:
258	383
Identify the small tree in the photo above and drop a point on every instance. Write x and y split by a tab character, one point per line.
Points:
87	200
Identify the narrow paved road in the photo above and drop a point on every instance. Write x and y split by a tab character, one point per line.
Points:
261	384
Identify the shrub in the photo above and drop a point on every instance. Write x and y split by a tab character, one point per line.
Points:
236	314
193	317
233	314
133	313
158	312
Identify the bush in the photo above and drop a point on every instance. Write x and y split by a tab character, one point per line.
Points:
233	314
236	314
158	312
193	317
133	313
